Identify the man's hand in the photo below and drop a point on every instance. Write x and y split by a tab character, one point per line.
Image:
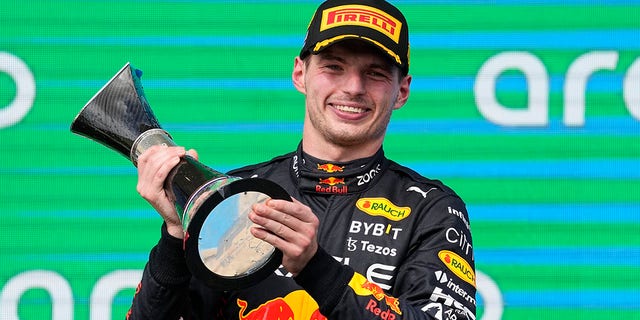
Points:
154	165
289	226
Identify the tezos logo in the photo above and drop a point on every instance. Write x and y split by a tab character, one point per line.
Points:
383	207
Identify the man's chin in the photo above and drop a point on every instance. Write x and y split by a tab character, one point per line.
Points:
350	139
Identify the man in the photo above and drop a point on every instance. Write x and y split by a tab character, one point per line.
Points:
382	243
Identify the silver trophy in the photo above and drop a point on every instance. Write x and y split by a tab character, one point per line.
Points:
212	206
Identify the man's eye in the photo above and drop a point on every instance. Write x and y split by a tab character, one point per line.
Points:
334	67
378	74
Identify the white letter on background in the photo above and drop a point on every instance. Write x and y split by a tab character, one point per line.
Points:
25	89
536	113
575	83
57	287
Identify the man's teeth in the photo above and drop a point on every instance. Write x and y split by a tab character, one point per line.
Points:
349	109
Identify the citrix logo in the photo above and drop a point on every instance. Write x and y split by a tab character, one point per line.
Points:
25	84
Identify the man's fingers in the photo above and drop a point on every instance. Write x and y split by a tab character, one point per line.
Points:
193	153
272	220
154	165
268	237
295	227
293	209
288	226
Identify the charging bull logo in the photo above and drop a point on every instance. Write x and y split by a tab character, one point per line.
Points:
385	306
274	309
330	168
332	181
297	305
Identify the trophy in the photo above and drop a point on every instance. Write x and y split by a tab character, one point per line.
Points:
213	207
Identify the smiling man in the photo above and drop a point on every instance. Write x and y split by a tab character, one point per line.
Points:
351	91
364	238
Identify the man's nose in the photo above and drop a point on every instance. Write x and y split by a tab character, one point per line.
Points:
354	83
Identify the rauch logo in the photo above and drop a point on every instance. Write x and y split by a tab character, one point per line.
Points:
458	265
383	207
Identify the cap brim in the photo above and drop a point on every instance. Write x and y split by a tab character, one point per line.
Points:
321	45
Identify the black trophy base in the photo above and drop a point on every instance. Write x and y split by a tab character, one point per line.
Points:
195	262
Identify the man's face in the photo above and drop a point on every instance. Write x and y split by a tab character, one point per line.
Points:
350	91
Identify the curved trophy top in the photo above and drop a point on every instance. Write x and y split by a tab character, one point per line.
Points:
118	113
225	255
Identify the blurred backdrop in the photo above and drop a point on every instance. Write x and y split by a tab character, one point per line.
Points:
529	109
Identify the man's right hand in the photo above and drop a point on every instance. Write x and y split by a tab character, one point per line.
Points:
154	165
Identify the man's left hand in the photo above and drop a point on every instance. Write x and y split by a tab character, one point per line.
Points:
288	226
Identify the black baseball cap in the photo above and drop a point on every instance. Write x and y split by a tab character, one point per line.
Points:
375	21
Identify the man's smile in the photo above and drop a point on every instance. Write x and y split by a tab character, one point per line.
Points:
349	109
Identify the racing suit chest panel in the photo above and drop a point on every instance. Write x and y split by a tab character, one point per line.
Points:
372	227
359	229
371	231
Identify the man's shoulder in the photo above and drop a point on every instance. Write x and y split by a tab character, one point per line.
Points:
410	176
261	166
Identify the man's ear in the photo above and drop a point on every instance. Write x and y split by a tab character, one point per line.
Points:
298	75
403	92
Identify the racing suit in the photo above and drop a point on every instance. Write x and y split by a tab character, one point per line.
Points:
392	245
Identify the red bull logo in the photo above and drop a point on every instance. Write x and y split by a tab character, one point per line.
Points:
384	306
364	16
330	168
276	309
297	305
332	183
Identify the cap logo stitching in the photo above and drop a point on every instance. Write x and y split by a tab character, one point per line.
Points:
364	16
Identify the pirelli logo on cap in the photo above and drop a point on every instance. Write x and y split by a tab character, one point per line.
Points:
364	16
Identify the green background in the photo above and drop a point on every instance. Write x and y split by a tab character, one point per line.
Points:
555	210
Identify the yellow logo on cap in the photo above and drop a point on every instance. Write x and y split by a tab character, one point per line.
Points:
364	16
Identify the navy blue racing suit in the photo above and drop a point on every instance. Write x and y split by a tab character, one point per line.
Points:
392	245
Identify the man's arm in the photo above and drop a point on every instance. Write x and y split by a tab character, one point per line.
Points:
163	292
435	281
